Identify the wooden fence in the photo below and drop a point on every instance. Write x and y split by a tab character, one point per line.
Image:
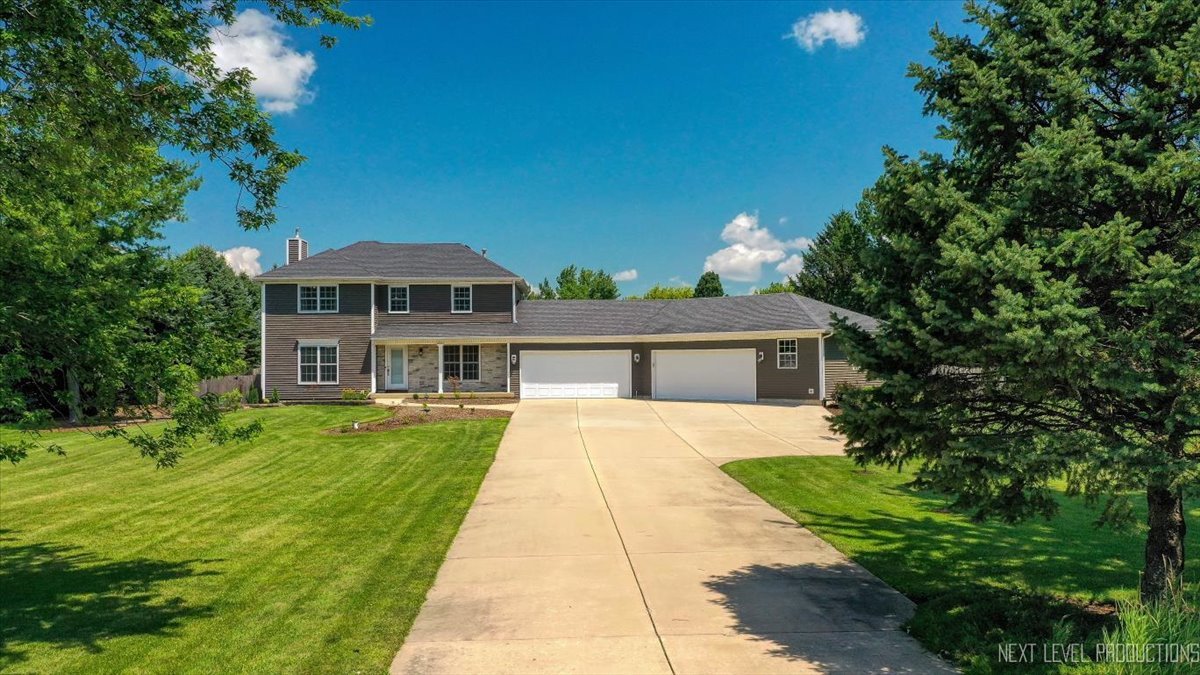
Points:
222	385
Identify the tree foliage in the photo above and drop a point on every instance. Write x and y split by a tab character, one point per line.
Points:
775	287
1040	287
230	300
660	292
95	97
574	283
833	265
709	286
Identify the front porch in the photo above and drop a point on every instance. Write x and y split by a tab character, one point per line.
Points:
402	368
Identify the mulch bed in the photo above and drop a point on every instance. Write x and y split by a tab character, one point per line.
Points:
408	416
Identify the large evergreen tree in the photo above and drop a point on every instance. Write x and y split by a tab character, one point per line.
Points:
1040	287
833	264
230	300
709	286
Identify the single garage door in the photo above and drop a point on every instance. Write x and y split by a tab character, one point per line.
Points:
705	374
575	374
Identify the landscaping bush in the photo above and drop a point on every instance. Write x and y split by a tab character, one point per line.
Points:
355	394
274	394
254	396
230	400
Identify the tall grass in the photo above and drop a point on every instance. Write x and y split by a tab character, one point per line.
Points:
1154	638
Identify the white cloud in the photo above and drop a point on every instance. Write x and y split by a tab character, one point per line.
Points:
750	247
792	265
625	275
256	41
243	259
844	28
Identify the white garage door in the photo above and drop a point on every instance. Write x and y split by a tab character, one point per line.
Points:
705	374
575	374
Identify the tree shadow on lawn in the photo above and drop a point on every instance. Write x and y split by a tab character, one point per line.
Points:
65	596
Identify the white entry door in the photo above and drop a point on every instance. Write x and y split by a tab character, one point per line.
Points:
705	374
576	374
397	368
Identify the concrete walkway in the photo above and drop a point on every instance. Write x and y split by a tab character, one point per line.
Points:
605	539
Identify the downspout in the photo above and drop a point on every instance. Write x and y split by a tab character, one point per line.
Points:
262	338
373	347
821	364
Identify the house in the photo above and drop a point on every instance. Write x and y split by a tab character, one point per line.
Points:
430	317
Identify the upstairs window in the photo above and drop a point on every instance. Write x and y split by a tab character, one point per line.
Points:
789	353
318	299
460	299
398	299
318	363
461	361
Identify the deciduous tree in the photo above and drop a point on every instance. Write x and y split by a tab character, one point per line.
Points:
1040	287
660	292
574	283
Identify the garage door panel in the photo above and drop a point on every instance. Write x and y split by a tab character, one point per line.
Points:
575	374
705	374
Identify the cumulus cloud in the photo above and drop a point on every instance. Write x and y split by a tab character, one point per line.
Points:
625	275
243	259
844	28
750	247
256	41
792	265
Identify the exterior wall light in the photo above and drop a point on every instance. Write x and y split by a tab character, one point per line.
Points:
513	358
760	357
637	358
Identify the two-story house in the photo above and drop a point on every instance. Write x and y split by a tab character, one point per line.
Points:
428	317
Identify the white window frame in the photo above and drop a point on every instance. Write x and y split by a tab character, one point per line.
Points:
407	299
318	344
479	362
795	353
337	299
470	298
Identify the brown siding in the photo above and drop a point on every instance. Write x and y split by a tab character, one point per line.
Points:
285	328
431	302
773	382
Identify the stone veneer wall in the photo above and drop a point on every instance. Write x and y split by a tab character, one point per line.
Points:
423	369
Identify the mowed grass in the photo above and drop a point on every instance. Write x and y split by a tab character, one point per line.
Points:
975	584
299	551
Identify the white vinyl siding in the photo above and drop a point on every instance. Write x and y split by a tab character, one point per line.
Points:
460	299
397	299
317	299
788	354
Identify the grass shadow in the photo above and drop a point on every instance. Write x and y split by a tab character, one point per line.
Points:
66	597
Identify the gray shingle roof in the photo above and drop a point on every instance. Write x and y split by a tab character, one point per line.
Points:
600	318
379	260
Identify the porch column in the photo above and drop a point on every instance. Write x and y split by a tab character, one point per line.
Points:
508	364
374	360
441	366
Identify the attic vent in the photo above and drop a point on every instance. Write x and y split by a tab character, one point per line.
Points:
297	248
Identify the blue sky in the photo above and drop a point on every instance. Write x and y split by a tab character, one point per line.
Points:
622	136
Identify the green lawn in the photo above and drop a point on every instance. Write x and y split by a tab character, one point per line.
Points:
976	584
296	552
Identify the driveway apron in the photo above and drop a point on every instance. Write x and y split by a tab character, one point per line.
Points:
605	539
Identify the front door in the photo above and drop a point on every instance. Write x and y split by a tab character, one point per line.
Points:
397	375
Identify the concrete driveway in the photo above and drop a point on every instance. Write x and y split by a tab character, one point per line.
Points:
605	539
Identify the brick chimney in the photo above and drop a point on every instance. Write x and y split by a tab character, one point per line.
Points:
297	248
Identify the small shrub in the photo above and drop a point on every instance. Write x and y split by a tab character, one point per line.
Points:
424	407
1171	621
230	400
274	394
460	406
254	396
416	396
355	394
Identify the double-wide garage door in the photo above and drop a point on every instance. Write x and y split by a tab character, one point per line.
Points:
576	374
705	374
687	374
